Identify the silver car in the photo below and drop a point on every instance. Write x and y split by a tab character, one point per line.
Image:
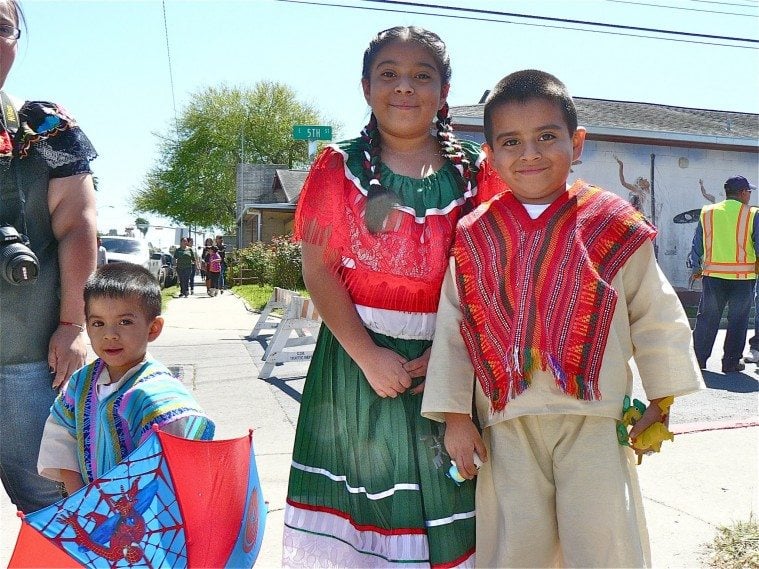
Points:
130	250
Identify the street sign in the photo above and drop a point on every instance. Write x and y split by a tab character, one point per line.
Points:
307	132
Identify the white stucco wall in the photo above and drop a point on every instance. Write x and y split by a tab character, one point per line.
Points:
676	188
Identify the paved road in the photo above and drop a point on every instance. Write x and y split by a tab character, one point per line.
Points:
729	398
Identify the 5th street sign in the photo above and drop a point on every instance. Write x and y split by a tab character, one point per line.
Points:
306	132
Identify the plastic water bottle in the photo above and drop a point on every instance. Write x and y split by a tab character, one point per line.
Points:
455	475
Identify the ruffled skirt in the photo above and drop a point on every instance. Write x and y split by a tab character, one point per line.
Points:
368	484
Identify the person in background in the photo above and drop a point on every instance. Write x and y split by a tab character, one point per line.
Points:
108	407
552	288
221	247
184	260
368	484
45	157
195	266
753	343
207	244
724	252
213	269
102	253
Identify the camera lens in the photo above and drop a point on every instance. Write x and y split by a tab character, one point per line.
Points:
18	264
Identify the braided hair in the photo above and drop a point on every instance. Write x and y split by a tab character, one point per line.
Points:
381	200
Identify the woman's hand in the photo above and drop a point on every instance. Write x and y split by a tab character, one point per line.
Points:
66	353
384	371
73	217
418	368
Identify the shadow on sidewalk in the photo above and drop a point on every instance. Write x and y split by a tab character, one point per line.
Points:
282	385
735	382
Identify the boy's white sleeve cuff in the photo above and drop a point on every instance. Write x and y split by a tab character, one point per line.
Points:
57	451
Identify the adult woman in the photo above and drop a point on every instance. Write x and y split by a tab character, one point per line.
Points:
184	261
204	256
376	216
46	194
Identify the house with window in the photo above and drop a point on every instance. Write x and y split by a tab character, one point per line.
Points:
266	199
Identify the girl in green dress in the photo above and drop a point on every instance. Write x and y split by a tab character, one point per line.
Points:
376	218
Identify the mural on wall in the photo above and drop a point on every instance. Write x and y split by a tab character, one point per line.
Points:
684	180
692	215
639	191
704	193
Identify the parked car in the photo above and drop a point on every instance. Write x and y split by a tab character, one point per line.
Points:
167	276
130	250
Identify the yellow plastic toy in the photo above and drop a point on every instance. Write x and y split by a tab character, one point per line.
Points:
651	439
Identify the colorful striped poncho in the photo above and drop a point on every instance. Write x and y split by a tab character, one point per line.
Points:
108	430
536	293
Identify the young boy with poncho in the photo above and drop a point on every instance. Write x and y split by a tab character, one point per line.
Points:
108	407
552	288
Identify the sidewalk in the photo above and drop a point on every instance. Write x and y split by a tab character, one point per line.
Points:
705	479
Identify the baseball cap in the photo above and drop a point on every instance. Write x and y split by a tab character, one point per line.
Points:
738	183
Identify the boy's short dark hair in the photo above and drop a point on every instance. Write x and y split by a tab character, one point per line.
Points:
527	85
125	280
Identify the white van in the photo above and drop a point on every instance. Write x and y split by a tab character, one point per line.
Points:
130	250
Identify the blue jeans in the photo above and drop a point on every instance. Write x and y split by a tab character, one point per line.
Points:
26	394
717	293
221	275
753	343
184	274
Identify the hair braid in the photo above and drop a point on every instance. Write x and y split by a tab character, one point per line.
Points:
451	148
380	200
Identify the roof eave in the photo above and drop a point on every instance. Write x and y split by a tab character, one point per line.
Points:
679	137
474	124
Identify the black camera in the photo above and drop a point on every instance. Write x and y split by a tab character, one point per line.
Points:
18	263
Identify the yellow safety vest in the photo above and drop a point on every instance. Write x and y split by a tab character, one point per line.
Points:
728	245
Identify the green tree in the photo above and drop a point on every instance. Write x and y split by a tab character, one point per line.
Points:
193	182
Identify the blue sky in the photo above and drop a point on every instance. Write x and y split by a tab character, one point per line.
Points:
106	61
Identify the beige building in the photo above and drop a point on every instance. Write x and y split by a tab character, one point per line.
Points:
266	198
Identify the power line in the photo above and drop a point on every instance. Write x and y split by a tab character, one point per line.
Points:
560	20
749	4
171	74
490	20
682	8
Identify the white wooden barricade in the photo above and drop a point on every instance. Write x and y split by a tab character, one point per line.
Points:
280	298
300	318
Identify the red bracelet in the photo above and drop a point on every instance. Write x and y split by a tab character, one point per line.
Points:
74	324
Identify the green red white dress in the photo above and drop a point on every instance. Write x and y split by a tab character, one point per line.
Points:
368	484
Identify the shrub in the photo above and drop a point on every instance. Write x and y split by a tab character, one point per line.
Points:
251	264
277	264
286	263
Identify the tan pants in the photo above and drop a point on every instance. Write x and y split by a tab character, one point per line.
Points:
559	490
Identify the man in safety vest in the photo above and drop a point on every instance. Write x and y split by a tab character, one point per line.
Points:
725	250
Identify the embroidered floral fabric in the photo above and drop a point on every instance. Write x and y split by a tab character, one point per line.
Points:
48	130
402	267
